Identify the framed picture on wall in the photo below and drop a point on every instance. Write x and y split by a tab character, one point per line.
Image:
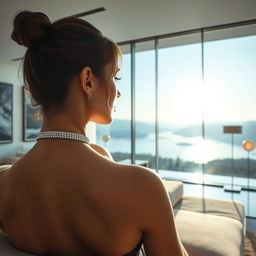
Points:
6	110
31	118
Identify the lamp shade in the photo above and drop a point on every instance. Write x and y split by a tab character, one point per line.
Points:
105	138
248	145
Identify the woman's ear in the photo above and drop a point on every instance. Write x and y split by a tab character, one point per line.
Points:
86	80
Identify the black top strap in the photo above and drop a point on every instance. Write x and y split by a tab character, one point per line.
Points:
135	251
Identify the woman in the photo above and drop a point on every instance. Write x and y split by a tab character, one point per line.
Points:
67	196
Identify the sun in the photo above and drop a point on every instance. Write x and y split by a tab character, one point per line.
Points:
188	100
195	100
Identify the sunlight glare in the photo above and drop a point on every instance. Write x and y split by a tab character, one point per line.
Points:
202	151
214	100
188	100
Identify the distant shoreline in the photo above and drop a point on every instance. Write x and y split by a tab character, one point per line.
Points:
120	129
220	167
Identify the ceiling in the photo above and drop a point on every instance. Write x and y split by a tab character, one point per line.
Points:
128	19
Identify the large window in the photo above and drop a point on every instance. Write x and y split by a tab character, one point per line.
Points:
178	93
145	102
229	95
180	105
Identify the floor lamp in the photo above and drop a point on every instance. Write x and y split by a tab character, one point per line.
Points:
248	146
232	130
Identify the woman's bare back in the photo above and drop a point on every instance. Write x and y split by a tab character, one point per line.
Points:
66	198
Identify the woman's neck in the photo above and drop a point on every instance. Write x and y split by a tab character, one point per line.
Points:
63	122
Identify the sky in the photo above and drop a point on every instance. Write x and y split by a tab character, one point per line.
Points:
226	95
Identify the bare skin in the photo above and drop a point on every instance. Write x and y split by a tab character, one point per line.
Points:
69	198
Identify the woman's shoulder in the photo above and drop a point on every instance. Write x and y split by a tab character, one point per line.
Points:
101	150
4	170
145	176
139	181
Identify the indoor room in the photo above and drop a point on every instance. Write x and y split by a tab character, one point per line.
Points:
182	110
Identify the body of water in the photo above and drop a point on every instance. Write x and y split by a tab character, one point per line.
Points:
207	178
172	146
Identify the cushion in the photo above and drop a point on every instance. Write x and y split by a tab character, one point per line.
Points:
4	167
10	160
209	235
7	249
175	190
226	208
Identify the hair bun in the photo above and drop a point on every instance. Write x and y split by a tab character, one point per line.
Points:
30	27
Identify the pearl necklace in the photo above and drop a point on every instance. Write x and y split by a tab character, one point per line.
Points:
63	135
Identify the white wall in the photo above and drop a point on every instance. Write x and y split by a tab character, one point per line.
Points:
9	74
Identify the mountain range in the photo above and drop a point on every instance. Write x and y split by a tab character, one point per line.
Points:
121	128
215	132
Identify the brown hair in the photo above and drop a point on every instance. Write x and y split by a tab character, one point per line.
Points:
57	52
